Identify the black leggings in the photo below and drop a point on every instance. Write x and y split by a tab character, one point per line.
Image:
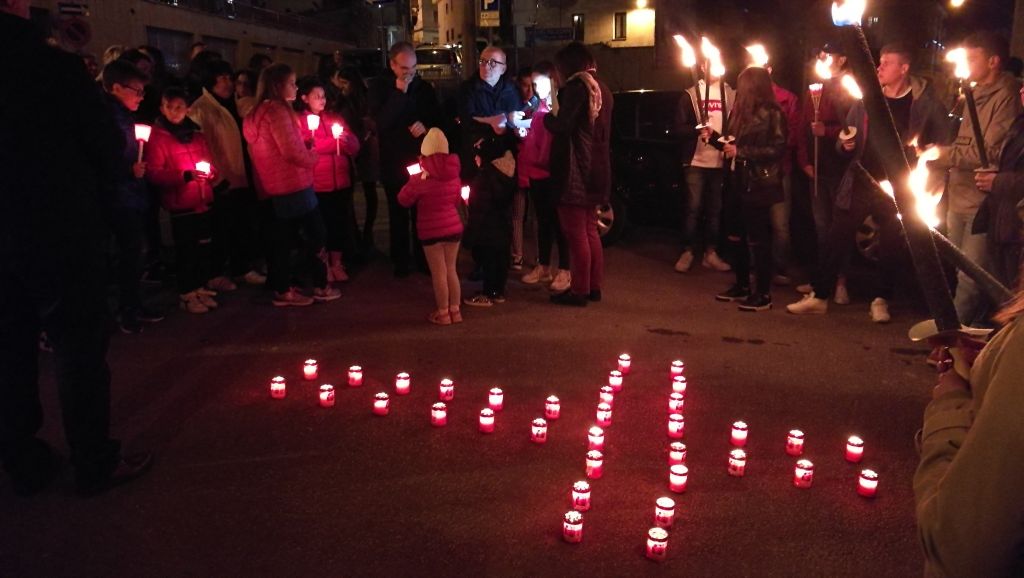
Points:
494	263
308	229
339	216
545	202
749	231
191	250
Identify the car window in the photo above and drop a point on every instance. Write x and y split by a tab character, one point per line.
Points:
624	115
656	113
433	57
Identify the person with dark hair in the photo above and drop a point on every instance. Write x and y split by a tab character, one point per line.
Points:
282	163
245	91
528	103
197	74
998	105
332	175
259	61
353	106
758	126
57	174
581	168
403	107
140	60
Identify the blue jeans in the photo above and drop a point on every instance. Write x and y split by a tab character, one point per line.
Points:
971	304
705	192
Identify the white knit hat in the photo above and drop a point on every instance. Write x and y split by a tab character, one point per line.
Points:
435	142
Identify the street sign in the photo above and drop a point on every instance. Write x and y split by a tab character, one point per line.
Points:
490	13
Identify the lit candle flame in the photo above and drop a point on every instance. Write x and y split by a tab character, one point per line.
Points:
758	54
958	56
713	55
823	68
689	55
851	86
849	13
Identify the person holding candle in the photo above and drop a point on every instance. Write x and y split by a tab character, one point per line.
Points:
332	175
967	484
283	162
998	104
172	157
435	193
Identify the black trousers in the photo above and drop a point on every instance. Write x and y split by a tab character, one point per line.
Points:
191	250
549	231
129	226
235	219
405	245
749	233
307	232
338	210
493	262
62	292
366	237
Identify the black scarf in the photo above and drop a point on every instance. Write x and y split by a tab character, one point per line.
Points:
183	132
229	104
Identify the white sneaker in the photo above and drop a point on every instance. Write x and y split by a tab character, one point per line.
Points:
254	278
207	300
842	296
880	311
562	281
190	302
809	305
537	275
713	261
685	262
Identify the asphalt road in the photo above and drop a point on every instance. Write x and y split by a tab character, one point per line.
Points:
246	485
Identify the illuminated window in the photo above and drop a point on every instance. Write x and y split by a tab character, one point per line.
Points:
619	26
577	27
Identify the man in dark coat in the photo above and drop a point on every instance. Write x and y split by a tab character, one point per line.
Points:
404	107
56	189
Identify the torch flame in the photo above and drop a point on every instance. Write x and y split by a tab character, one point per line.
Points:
689	54
758	54
713	55
849	13
958	56
956	3
887	187
850	84
823	68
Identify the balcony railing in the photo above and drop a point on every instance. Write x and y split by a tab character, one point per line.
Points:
233	10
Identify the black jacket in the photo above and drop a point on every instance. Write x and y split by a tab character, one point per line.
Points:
478	99
394	111
760	149
580	153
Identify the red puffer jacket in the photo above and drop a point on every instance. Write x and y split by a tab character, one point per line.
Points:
167	159
436	197
333	168
281	162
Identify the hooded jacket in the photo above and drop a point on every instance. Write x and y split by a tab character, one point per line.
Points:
436	194
223	138
333	171
581	130
168	158
281	163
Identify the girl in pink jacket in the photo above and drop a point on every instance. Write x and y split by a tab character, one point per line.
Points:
436	194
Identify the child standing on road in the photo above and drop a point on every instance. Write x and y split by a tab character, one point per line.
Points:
435	192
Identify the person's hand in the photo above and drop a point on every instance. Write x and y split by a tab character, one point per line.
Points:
809	171
516	116
730	150
139	169
402	84
950	381
818	128
848	145
201	176
309	143
983	180
417	129
705	134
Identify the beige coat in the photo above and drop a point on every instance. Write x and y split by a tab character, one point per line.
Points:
224	139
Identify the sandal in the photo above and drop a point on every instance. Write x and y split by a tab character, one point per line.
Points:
455	314
440	318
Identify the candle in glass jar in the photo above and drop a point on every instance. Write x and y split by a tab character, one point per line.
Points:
803	474
739	434
326	395
795	442
737	463
595	464
552	408
624	363
278	388
581	496
867	484
604	414
487	420
854	449
676	453
677	367
664	512
355	376
595	438
676	425
539	431
438	415
381	404
203	167
496	398
657	544
572	527
676	403
446	390
403	384
309	370
615	379
679	384
607	395
677	476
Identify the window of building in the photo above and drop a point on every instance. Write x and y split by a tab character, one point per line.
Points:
619	26
227	48
577	27
174	44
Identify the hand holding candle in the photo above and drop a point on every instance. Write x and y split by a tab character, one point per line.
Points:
142	132
336	130
203	170
312	123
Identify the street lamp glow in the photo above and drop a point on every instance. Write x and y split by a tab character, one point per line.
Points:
642	4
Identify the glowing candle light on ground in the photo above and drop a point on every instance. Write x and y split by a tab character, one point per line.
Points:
572	527
487	420
595	438
607	395
803	474
446	391
326	395
309	369
604	415
496	398
854	449
552	408
664	512
278	388
676	425
625	362
739	434
615	379
679	384
677	368
737	463
381	404
795	442
676	402
438	415
676	453
539	431
581	496
657	544
677	478
867	483
403	384
595	464
355	376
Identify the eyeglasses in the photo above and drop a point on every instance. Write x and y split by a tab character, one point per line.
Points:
140	92
491	63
